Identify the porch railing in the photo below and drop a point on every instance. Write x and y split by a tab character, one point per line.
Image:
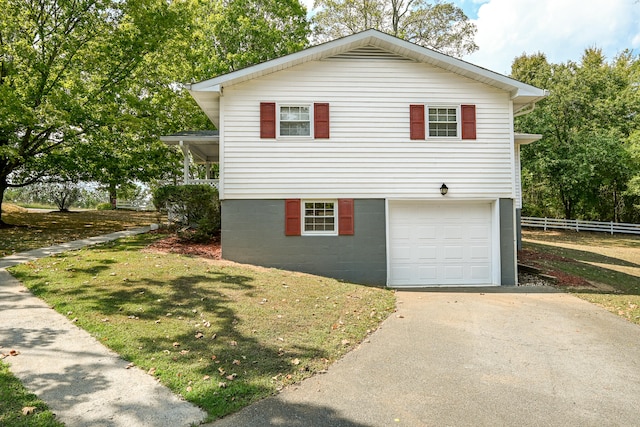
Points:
212	182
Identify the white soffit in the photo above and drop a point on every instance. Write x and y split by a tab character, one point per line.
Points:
526	138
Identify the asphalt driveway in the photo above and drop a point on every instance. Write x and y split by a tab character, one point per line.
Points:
492	357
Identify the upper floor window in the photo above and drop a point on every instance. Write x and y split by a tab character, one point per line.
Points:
456	122
295	121
290	120
443	122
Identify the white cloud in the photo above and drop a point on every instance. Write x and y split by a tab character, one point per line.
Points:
561	29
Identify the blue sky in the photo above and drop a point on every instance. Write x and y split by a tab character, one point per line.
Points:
561	29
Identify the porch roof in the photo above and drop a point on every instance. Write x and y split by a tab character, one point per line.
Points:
204	145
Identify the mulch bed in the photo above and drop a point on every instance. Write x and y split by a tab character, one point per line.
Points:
175	245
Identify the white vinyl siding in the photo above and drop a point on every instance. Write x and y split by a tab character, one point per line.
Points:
369	154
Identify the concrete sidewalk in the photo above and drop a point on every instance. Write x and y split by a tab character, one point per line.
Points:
84	383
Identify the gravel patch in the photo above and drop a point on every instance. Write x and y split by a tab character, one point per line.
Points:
528	279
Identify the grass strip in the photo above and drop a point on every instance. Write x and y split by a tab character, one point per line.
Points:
14	399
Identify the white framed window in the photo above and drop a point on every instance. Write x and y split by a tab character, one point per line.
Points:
319	217
443	122
294	120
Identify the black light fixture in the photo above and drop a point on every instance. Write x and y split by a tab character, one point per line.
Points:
444	189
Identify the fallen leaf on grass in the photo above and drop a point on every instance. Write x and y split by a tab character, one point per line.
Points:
295	361
222	385
206	378
189	388
231	377
233	343
176	344
199	335
129	366
28	410
152	371
235	362
345	342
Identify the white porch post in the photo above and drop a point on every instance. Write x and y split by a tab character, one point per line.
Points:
185	151
207	169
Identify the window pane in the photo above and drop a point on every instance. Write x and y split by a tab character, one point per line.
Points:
443	122
319	216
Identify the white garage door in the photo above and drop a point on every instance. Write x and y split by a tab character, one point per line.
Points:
440	243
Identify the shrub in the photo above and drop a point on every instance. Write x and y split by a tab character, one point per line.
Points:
104	206
193	206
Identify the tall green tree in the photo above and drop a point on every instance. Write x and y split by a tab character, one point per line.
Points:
583	165
227	35
63	65
439	25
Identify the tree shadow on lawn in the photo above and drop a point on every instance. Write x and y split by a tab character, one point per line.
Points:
581	263
215	364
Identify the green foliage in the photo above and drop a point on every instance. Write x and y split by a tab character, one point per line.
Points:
63	195
584	164
191	205
439	25
66	69
228	35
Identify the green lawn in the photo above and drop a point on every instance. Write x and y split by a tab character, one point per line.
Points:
41	229
220	334
609	265
14	399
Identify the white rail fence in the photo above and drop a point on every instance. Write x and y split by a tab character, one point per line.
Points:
578	225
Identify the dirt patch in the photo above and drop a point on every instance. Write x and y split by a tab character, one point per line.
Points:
536	259
173	244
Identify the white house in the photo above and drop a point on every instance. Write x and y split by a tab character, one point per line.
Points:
370	159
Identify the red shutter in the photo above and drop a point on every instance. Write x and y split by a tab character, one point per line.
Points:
267	120
345	217
292	217
468	113
321	120
416	119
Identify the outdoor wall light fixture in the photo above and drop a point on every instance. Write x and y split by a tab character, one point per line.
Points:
444	189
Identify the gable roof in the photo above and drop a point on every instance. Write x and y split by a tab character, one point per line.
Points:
375	45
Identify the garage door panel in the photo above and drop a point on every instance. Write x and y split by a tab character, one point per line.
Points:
427	232
440	243
454	272
480	253
453	252
428	253
428	273
453	232
479	232
479	273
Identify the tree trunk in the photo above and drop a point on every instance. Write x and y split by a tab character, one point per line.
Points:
3	187
112	195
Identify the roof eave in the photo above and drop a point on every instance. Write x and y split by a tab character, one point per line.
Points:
375	38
